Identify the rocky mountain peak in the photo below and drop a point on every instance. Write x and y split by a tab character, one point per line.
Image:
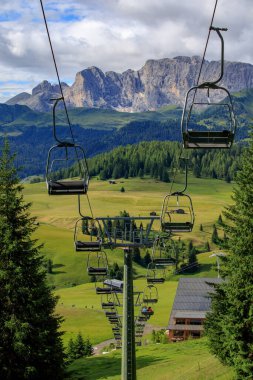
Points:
158	83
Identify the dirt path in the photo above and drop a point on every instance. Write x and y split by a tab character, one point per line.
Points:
98	349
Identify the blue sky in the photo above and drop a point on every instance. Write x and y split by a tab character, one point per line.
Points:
112	35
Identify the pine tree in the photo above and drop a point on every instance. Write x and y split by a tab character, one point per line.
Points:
215	237
88	348
207	247
30	343
220	221
201	227
71	350
229	324
147	259
80	348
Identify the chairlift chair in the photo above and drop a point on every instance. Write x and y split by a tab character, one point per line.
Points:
155	274
177	211
178	214
97	264
88	233
222	137
142	318
162	253
150	295
110	313
104	290
59	155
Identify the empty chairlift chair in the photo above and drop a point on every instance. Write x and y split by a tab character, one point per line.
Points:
109	301
221	113
150	295
61	158
97	264
87	235
177	211
163	252
155	273
178	214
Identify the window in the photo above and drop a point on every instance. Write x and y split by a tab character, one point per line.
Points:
180	321
196	322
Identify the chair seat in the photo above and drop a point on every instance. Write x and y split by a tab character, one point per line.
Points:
177	227
208	139
97	271
164	261
156	280
87	245
150	300
62	187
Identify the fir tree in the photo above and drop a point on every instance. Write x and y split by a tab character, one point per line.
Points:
220	221
229	324
30	343
79	346
215	237
201	227
147	259
207	247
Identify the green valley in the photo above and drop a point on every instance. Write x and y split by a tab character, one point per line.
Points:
78	302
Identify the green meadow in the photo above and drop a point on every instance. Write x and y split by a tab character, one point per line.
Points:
176	361
78	302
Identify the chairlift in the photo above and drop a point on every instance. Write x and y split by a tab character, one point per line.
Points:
155	273
162	252
87	235
110	314
97	264
142	318
147	311
109	301
202	95
177	211
150	295
104	290
61	156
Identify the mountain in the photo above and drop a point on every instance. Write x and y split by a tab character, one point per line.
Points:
40	100
158	83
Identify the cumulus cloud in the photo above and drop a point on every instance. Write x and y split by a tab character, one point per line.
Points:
113	35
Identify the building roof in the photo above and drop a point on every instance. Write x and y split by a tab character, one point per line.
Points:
192	300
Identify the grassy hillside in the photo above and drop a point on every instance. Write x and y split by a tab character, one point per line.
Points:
80	306
184	361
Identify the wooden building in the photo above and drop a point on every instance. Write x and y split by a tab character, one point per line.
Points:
191	304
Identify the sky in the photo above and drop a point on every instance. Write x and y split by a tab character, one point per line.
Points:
114	35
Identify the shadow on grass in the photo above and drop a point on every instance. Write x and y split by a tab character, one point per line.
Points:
102	367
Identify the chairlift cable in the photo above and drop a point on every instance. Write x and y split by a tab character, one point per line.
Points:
62	94
58	77
56	67
207	41
88	199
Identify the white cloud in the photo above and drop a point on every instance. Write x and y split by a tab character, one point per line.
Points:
114	35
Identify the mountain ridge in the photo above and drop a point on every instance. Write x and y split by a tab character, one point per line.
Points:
158	83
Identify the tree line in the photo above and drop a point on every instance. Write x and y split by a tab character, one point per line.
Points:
160	160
